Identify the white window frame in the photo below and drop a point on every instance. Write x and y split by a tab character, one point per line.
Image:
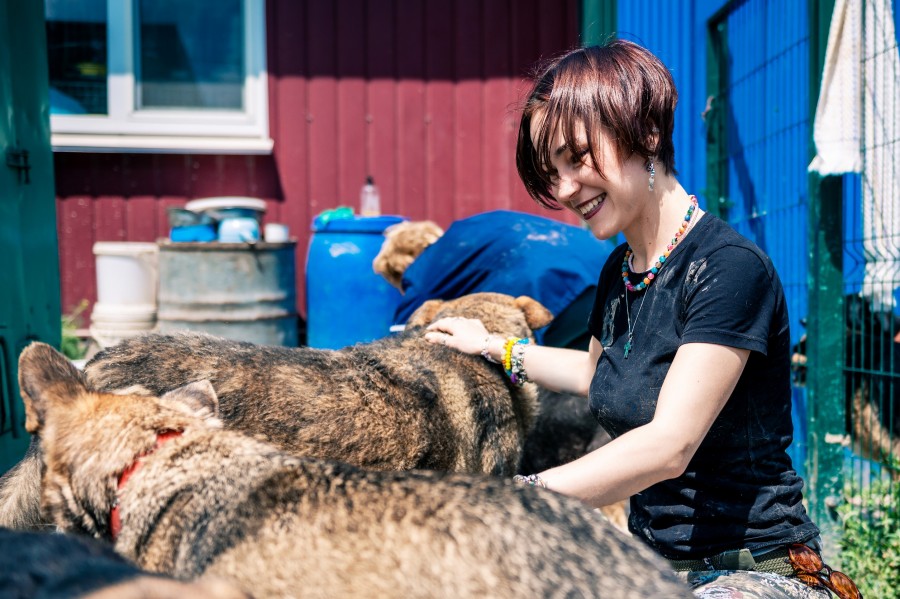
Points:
126	128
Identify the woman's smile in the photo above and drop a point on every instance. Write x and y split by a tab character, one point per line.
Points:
590	208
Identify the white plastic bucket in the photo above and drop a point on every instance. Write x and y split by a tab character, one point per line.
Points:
126	272
127	280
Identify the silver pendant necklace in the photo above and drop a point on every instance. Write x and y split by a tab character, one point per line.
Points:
629	343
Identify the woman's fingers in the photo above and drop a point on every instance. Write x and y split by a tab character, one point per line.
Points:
464	334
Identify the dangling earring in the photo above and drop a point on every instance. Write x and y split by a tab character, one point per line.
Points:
652	170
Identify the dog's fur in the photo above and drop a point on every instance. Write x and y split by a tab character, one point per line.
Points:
53	565
403	243
215	502
394	404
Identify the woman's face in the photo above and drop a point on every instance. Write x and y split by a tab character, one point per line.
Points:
609	205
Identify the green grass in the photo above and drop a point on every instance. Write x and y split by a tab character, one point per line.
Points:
870	540
72	346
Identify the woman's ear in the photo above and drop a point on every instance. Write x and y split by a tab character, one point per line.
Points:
653	138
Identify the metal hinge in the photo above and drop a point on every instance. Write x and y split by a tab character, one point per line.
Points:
17	158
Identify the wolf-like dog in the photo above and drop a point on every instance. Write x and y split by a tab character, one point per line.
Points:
180	496
397	403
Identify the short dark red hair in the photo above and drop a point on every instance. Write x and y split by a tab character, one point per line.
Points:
619	87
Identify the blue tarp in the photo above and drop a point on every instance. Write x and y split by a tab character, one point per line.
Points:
506	252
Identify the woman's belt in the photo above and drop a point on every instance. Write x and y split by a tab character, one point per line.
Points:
775	561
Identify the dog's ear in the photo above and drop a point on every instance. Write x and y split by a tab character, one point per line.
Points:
198	397
536	315
424	314
46	377
390	265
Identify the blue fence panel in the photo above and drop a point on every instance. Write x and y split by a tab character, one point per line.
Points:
767	147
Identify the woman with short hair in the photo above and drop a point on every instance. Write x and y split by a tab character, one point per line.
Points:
689	360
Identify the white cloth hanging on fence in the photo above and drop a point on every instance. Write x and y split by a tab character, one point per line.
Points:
837	129
857	129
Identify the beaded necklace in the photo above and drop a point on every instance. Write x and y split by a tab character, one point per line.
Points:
629	343
662	259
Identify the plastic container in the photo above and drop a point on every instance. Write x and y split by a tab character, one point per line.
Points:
239	217
346	301
369	199
127	280
126	272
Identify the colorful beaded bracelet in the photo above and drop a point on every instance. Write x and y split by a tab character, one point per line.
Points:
514	360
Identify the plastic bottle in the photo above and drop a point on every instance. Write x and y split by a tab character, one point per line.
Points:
369	200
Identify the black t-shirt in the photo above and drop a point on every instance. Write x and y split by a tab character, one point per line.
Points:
740	489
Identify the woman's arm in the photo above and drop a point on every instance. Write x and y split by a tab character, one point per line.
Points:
557	369
697	386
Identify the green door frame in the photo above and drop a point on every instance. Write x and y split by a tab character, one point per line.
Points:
826	402
30	300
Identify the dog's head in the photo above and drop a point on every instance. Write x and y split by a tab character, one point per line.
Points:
501	314
89	438
403	243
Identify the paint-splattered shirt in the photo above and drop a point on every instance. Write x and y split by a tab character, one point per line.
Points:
740	489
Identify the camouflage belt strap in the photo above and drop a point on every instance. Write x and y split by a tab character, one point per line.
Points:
775	561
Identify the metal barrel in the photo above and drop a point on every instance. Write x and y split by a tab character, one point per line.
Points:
245	292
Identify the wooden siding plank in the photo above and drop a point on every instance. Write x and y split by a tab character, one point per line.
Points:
441	137
381	100
469	109
109	218
140	218
287	20
351	100
523	50
412	200
322	106
76	257
499	130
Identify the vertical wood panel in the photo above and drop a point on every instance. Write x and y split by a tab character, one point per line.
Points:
287	64
351	90
74	215
411	135
441	134
109	218
524	52
381	94
469	110
322	106
499	115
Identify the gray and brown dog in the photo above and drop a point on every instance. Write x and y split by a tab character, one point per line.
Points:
180	496
394	404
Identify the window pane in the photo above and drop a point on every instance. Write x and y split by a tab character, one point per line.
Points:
76	50
191	54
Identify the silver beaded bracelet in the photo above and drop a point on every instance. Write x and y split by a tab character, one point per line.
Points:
530	480
485	350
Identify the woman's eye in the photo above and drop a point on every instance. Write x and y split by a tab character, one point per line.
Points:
578	157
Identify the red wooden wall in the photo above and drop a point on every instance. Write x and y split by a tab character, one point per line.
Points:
421	94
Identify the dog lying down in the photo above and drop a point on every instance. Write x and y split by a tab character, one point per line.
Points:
179	495
393	404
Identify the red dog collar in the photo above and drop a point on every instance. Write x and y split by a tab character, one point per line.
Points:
115	522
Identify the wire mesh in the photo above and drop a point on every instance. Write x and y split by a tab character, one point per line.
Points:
766	132
872	279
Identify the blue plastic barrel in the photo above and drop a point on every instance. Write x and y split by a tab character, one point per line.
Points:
346	301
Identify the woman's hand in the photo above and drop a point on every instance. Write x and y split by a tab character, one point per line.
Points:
464	334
